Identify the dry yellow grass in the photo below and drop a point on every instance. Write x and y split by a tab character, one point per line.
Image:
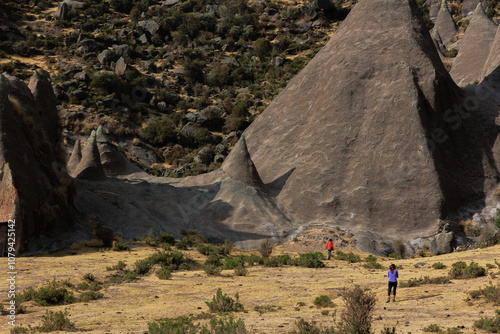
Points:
128	307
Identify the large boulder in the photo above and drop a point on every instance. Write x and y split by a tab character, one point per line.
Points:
493	60
90	167
113	157
475	48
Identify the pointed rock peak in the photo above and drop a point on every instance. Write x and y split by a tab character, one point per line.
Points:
90	167
100	136
493	61
240	167
75	158
480	13
444	5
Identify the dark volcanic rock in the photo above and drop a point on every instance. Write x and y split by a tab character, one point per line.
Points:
362	136
445	24
474	49
90	167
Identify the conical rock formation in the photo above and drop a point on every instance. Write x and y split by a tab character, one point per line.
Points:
493	60
468	6
113	159
90	167
445	24
240	167
75	158
474	49
361	133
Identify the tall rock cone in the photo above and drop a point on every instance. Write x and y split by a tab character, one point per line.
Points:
90	167
474	49
368	135
75	158
113	159
240	167
445	24
493	60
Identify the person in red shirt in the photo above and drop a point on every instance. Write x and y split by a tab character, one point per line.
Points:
329	247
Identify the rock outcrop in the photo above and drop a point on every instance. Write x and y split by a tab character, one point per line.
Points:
75	158
112	157
475	48
32	189
468	6
493	60
445	25
90	167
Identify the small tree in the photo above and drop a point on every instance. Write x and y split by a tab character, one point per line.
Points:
266	248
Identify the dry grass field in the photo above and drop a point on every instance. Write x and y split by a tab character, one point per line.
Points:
288	291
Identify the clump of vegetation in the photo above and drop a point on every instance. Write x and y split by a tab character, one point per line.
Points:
399	249
490	294
240	271
349	257
142	267
323	301
278	261
119	266
121	246
186	325
371	262
304	327
438	265
311	260
233	262
357	317
213	249
55	321
265	308
425	280
50	294
491	325
164	273
222	303
103	233
266	248
90	295
460	270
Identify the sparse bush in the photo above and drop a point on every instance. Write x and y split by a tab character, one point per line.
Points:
252	259
240	271
266	248
142	267
425	280
121	246
177	325
89	277
119	266
278	261
105	234
399	248
357	317
159	132
19	330
432	328
222	303
491	325
490	293
90	295
55	321
166	238
233	262
50	294
107	82
438	265
460	270
211	269
323	301
305	327
226	326
82	286
349	257
311	260
371	262
164	273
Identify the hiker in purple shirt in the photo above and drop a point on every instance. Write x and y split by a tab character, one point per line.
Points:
393	275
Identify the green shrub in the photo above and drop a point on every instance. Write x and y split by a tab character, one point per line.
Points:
490	293
178	325
221	303
211	269
399	248
119	266
107	82
371	262
266	248
433	328
166	238
491	325
425	280
89	277
323	301
349	257
304	327
233	262
212	249
252	259
171	260
225	326
104	234
90	295
357	317
311	260
121	246
83	286
278	261
262	48
164	273
50	294
159	132
438	265
55	321
240	271
19	330
460	270
142	267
